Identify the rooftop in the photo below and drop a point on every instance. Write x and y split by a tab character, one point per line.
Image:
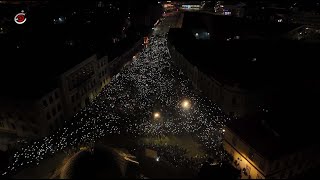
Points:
288	123
32	63
258	60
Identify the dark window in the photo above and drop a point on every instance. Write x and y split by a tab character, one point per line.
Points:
56	123
72	98
44	102
231	113
1	124
51	128
54	112
56	95
35	131
251	153
23	128
59	107
61	119
13	126
234	141
261	164
234	100
48	116
277	165
50	99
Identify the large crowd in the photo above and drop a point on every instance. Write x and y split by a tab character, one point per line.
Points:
151	83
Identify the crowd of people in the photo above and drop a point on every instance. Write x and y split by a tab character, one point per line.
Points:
177	156
150	84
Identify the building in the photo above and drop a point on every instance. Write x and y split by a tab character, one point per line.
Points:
230	8
38	112
253	78
222	66
81	84
263	147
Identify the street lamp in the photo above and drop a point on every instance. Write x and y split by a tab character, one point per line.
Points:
186	104
156	115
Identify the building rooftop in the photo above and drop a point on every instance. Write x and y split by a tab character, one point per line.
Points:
256	61
287	122
223	27
31	64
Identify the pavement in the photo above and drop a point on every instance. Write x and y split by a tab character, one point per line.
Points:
44	171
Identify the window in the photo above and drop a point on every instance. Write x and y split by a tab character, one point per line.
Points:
56	95
72	98
251	153
56	123
44	103
261	164
35	131
234	100
59	107
23	128
50	100
13	126
234	141
48	116
277	165
1	124
54	112
61	119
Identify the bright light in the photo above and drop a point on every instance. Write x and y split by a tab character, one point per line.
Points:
223	130
156	115
157	159
197	34
186	104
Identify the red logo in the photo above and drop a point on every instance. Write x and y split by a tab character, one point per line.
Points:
20	18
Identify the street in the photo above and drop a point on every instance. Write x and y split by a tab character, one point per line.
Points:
143	100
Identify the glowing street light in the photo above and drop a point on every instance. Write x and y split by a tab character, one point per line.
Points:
156	115
186	104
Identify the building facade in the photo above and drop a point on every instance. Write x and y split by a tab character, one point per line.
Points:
40	116
255	165
234	101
